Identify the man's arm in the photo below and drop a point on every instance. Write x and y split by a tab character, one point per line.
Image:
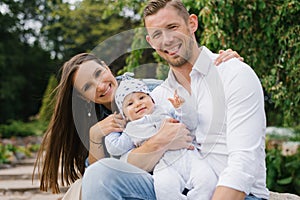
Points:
172	135
226	193
245	132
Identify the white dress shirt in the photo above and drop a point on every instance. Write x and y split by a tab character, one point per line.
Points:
231	127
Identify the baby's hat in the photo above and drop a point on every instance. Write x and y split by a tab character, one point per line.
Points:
127	87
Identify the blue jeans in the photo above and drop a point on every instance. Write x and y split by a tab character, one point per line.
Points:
111	179
252	198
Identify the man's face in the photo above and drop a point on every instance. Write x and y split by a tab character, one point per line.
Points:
170	36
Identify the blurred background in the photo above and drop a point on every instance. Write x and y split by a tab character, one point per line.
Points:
37	37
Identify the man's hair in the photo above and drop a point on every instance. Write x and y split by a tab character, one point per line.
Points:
153	6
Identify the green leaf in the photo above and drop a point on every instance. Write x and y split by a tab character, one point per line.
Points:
285	181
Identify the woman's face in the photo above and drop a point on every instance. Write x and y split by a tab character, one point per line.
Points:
95	83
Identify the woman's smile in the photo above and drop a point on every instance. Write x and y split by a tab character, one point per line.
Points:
108	89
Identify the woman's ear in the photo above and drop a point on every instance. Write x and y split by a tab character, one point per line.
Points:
83	98
104	65
193	22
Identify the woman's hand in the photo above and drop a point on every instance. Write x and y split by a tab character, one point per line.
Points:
112	123
226	55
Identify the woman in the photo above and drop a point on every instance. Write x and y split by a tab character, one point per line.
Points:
83	115
67	136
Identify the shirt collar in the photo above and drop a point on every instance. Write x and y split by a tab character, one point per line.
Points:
172	80
202	65
204	61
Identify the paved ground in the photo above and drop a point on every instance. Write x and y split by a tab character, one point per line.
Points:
16	184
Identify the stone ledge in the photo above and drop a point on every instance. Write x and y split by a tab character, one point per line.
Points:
283	196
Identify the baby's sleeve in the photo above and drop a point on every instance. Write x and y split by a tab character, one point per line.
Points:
118	144
187	114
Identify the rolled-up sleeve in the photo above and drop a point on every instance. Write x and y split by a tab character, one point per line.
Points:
245	133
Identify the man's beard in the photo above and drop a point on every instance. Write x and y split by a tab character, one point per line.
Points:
182	59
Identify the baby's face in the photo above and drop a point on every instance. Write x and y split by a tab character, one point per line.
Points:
136	105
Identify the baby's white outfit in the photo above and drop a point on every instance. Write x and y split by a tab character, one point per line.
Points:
177	169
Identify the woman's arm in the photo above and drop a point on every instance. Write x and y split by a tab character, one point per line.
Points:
171	136
112	123
96	150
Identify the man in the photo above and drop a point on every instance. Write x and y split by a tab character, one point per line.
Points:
222	134
230	103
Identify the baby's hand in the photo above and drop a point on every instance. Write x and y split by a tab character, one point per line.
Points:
177	101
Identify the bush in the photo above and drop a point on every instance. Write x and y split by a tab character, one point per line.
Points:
283	171
22	129
6	151
283	159
266	33
48	101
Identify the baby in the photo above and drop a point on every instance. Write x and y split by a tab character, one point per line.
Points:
177	169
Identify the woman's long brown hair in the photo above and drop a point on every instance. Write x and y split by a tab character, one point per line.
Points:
64	147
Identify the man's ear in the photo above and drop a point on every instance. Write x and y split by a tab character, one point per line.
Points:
193	22
149	41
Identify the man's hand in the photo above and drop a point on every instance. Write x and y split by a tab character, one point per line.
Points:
173	135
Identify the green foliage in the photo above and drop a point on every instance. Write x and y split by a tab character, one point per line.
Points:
33	147
6	151
22	129
162	68
48	101
268	42
29	54
266	33
83	26
283	171
22	80
134	59
24	65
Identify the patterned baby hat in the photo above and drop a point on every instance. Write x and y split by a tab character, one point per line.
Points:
126	87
